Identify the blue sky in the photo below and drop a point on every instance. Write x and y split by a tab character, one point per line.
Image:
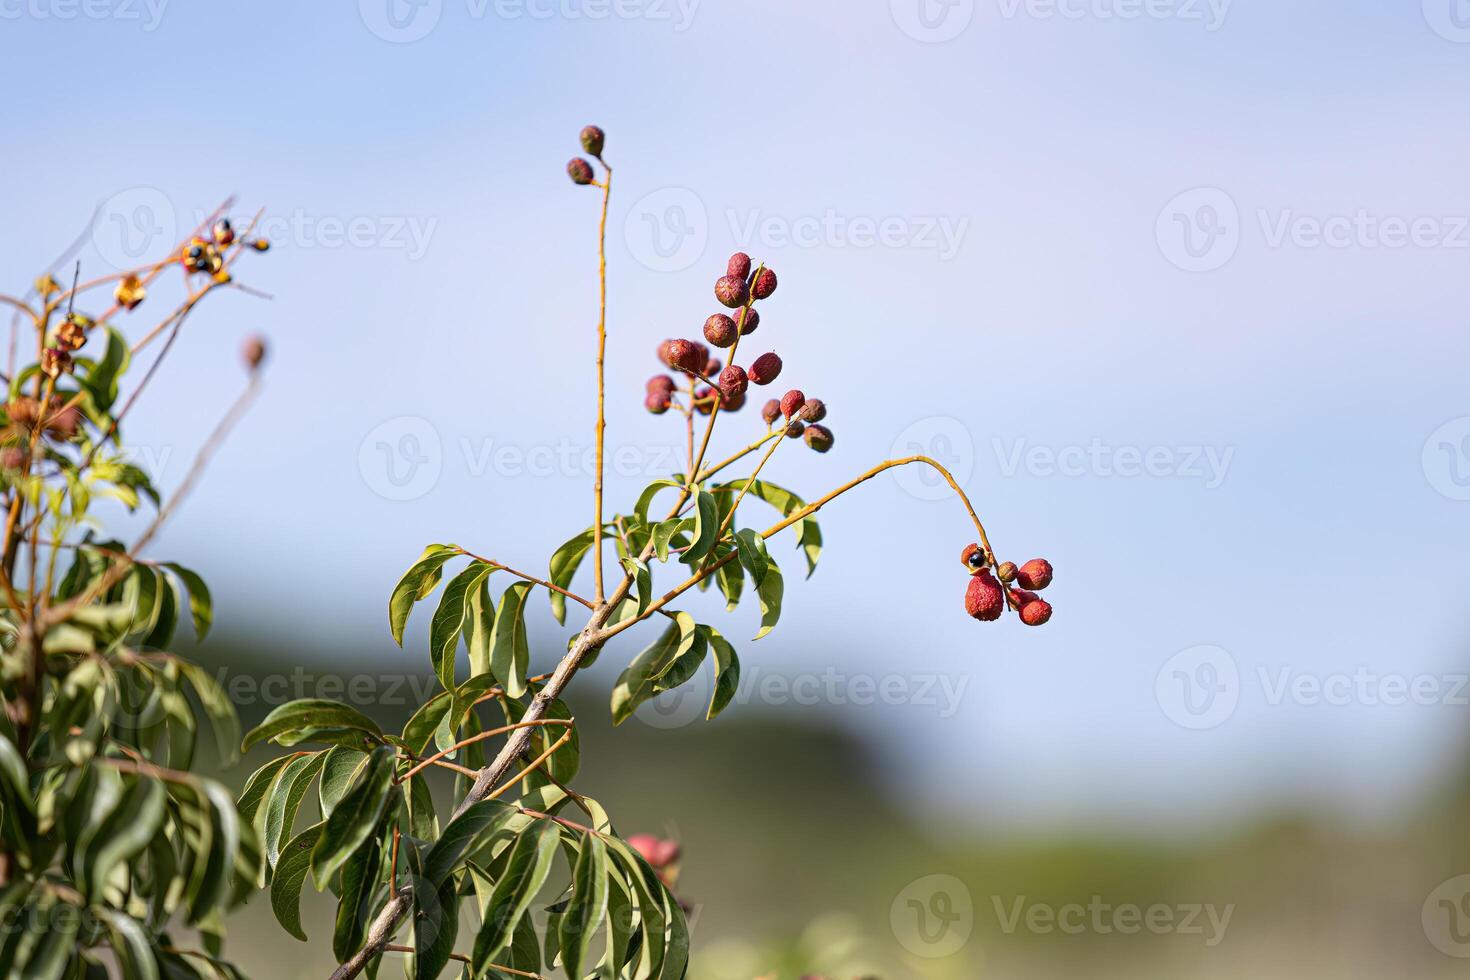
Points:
1178	286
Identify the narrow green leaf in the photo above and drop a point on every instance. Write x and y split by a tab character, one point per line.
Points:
285	801
416	583
464	834
588	905
258	786
706	524
338	771
564	565
13	771
449	620
510	653
770	591
201	604
129	944
526	870
481	628
435	928
642	581
124	834
752	549
727	673
645	499
299	721
636	684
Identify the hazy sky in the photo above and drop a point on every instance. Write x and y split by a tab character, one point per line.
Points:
1178	286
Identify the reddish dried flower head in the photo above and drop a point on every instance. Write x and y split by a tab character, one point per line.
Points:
657	402
733	380
1008	571
764	284
765	369
771	412
818	437
253	352
129	292
580	171
592	139
815	410
1035	574
1036	613
739	266
731	291
71	334
747	320
63	423
983	598
23	411
791	402
720	330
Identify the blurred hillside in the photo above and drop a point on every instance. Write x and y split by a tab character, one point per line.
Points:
799	860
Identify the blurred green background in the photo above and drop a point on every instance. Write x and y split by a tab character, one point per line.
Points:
800	859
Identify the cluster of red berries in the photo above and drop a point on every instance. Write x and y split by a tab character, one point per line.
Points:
206	255
579	169
985	598
737	290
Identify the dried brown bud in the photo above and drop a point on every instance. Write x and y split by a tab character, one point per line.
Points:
814	410
747	320
794	430
1008	571
720	330
47	286
818	437
64	422
129	292
55	362
765	369
771	411
253	351
592	140
23	411
731	291
580	171
71	334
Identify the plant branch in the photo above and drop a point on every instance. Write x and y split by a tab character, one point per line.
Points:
601	393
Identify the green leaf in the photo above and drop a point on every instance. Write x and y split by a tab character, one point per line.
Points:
692	652
13	771
664	533
338	770
808	534
354	819
449	620
564	568
201	605
312	719
129	944
510	652
645	499
706	524
464	834
770	591
637	684
588	905
258	786
435	928
752	549
290	876
219	709
416	583
481	628
727	673
642	580
732	582
285	801
123	835
356	905
526	870
101	382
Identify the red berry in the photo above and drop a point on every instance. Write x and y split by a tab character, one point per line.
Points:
818	437
771	412
657	402
731	291
702	352
791	402
794	430
1020	598
704	400
683	355
1035	574
815	410
580	171
1036	613
732	401
747	320
733	380
660	383
764	284
658	853
720	330
983	599
764	369
739	266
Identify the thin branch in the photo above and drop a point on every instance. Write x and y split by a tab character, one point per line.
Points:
540	761
480	737
461	958
529	578
601	394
